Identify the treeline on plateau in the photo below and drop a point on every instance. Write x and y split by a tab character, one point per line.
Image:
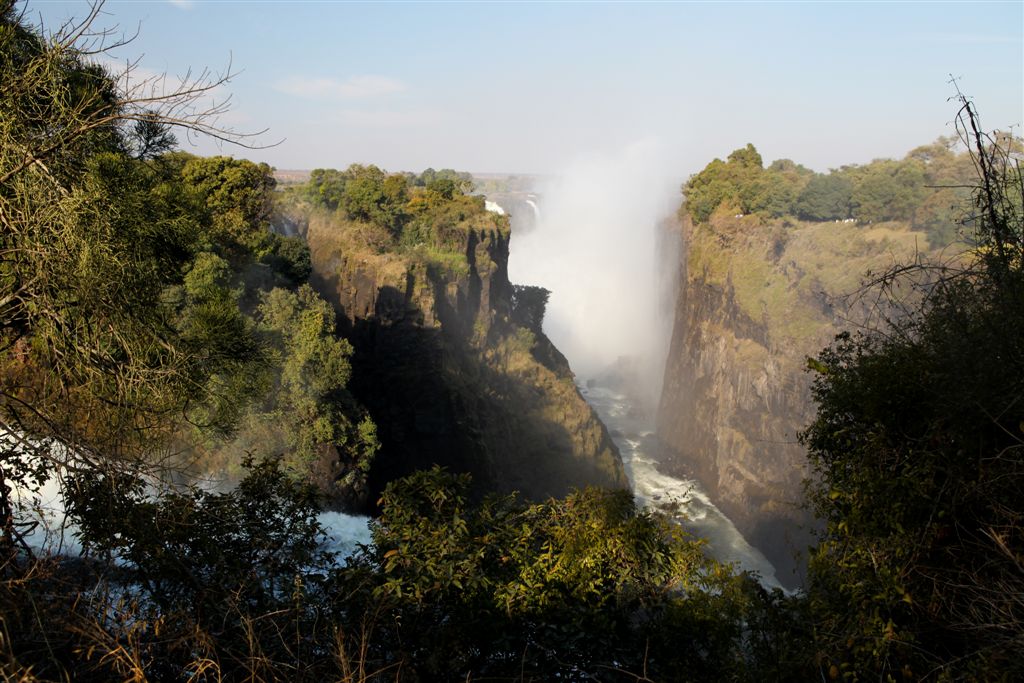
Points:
926	189
431	209
149	318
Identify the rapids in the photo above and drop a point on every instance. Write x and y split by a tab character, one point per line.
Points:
681	499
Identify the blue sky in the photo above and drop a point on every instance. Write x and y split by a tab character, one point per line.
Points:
532	86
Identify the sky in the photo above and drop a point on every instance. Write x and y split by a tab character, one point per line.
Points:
529	87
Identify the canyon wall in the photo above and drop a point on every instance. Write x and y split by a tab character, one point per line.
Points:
756	298
451	371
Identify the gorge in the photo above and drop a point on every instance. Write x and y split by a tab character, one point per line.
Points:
608	248
589	423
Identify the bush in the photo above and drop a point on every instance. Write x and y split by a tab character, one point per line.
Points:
918	449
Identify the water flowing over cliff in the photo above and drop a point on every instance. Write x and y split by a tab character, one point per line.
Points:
608	247
599	245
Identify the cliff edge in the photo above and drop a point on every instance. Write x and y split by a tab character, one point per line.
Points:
451	368
757	297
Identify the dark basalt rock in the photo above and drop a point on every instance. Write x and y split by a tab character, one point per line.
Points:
450	379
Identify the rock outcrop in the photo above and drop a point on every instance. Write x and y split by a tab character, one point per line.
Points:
449	374
756	299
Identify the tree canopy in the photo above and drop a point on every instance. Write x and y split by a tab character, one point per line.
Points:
132	276
926	189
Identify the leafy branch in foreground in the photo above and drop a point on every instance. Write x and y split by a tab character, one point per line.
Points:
96	228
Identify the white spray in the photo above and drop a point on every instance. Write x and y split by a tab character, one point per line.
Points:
596	249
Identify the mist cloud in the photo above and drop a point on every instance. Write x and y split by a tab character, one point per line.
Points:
596	247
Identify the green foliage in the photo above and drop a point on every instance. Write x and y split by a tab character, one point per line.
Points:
429	219
130	280
747	158
925	189
92	340
825	198
222	338
208	586
327	187
917	446
289	256
237	585
887	190
192	550
452	181
364	193
528	304
308	405
236	194
574	588
371	195
149	138
742	184
707	190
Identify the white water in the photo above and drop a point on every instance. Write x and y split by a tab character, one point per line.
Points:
682	499
536	210
596	246
345	533
55	534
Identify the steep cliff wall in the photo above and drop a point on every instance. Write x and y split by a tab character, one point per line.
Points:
756	298
448	374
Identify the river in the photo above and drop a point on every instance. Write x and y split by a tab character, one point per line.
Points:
681	499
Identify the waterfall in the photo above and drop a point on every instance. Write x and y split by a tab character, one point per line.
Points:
600	248
536	210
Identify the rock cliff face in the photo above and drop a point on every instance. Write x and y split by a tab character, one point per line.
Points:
449	375
756	298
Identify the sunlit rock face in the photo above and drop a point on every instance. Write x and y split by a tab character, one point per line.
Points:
735	393
730	411
756	298
452	379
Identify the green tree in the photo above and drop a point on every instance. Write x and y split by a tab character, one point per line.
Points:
744	185
307	405
372	195
707	190
826	197
887	190
237	197
575	588
96	367
327	186
528	305
747	158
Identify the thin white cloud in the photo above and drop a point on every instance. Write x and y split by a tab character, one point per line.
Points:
183	4
356	87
